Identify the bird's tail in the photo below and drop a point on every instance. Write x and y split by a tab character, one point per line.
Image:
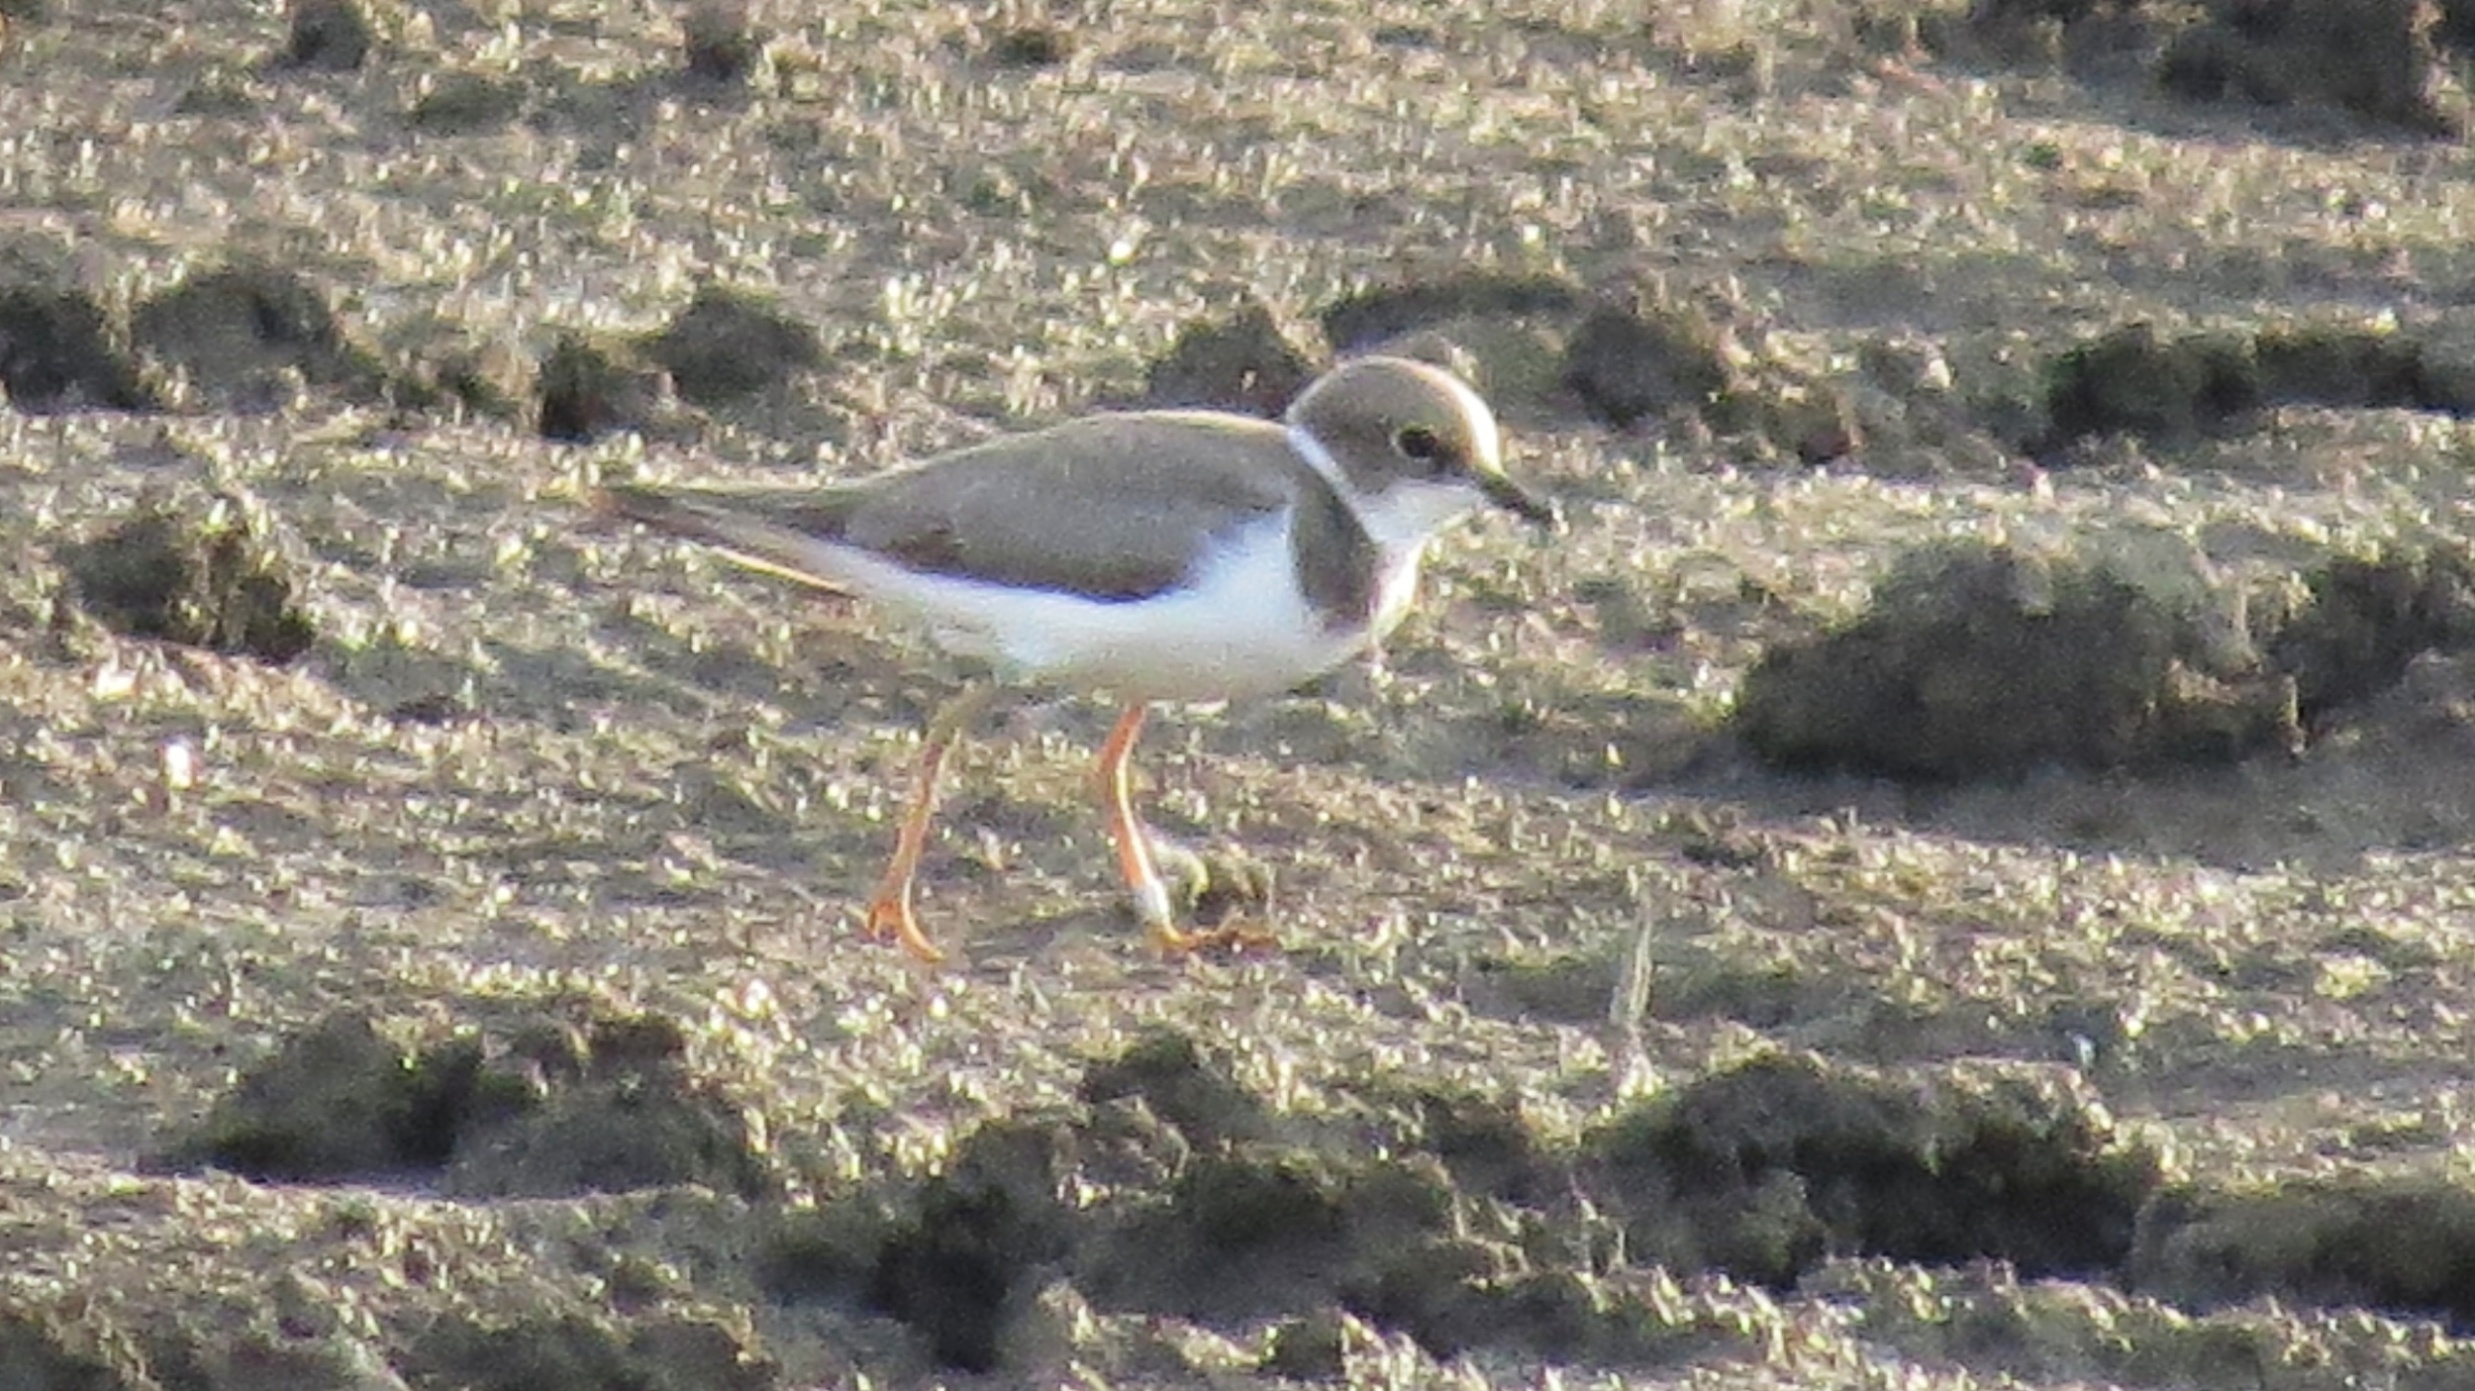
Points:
745	529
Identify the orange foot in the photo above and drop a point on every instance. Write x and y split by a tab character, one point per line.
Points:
1153	906
890	920
889	909
1229	896
1171	940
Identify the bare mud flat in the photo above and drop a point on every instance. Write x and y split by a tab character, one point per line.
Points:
1951	872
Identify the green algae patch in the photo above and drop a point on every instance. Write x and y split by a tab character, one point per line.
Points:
730	343
537	1108
193	570
240	333
60	351
591	385
2402	1245
1246	360
1767	1168
1195	1221
1979	660
2176	390
2125	650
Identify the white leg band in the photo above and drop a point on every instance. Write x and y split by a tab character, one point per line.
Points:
1151	903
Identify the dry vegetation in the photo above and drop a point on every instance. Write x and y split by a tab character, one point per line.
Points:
1953	872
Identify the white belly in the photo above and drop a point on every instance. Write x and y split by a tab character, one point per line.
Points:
1242	629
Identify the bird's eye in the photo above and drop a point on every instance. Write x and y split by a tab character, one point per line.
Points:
1419	443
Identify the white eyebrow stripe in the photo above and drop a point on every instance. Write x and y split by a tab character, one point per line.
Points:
1489	437
1319	459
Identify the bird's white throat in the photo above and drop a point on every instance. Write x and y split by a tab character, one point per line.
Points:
1401	518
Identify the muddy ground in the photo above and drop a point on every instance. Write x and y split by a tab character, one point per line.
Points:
1952	871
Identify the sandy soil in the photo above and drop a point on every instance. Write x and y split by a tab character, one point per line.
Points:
529	768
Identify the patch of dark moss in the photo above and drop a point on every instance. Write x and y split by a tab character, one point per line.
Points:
1163	1226
574	1352
1768	1167
589	388
634	1045
1456	1298
1316	1346
611	1137
831	1252
2341	365
437	363
2131	381
632	1116
718	45
1244	361
49	1351
699	1354
962	1270
330	35
1031	46
1377	313
1180	1086
1653	358
2375	58
528	1109
239	331
195	573
2367	618
1488	1146
1573	988
2353	366
58	352
2406	1246
2095	38
546	1354
1238	1234
2021	11
1978	660
455	1088
1261	1232
1632	362
1979	31
2456	27
1427	1289
338	1100
185	1357
1468	1233
728	344
1437	348
467	103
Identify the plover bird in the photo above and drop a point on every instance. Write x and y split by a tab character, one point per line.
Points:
1153	555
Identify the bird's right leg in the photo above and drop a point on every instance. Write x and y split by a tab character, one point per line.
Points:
889	908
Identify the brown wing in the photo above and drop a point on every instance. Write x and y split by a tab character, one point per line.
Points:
1114	506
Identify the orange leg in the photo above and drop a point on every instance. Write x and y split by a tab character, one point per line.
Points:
889	908
1134	851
